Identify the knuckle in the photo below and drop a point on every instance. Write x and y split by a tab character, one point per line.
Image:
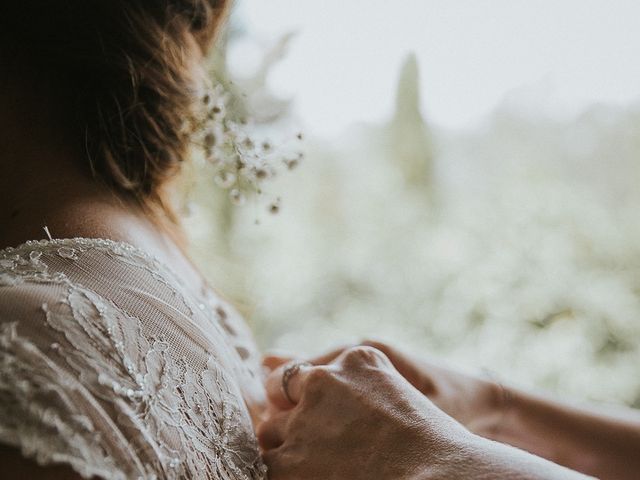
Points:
383	347
364	354
318	376
263	429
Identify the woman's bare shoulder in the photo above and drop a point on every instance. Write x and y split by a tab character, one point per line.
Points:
71	216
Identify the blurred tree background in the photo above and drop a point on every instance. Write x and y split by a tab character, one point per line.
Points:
513	246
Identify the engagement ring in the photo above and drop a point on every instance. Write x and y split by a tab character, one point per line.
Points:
289	372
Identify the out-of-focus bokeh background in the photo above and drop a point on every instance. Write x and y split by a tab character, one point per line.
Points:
471	187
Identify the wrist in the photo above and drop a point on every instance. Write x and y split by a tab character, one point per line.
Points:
462	457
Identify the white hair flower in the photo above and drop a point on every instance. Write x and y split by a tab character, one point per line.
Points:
241	161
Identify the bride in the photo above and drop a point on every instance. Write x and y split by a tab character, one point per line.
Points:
118	361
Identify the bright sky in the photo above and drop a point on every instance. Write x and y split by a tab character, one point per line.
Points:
343	64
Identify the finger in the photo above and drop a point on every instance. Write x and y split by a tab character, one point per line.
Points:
383	347
330	356
275	389
271	362
362	356
278	466
271	432
417	370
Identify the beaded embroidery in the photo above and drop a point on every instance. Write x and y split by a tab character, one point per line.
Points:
95	389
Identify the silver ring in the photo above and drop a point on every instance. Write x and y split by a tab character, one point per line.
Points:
290	371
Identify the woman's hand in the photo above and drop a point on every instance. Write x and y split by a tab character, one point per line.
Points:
474	401
357	418
477	403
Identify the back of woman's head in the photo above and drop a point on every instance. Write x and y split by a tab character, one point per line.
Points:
127	74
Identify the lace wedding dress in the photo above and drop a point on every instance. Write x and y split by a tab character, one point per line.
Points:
110	364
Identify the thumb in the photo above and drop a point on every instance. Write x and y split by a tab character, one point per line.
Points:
273	361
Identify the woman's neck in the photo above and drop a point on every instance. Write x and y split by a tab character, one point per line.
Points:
44	182
71	204
41	175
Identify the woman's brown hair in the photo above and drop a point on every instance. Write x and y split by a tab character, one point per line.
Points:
126	71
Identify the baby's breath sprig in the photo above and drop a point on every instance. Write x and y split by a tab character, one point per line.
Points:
241	162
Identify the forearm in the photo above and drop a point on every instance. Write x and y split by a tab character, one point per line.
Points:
500	461
483	459
605	446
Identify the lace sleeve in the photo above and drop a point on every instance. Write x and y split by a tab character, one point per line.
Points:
45	411
110	367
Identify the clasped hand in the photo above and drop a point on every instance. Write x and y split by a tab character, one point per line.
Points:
353	415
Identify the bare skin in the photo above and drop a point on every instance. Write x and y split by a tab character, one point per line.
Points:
356	417
585	440
598	443
44	182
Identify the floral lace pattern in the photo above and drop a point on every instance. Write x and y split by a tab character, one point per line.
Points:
110	365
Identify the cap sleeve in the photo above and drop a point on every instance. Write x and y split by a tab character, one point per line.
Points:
45	410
